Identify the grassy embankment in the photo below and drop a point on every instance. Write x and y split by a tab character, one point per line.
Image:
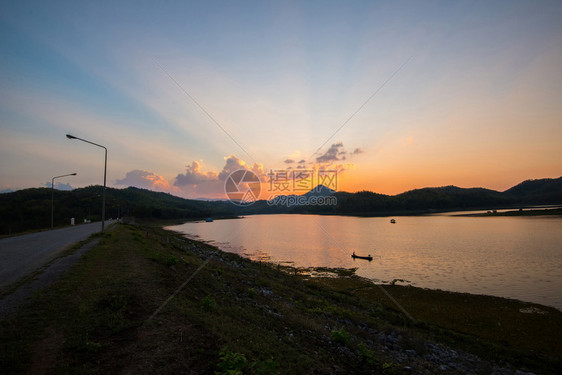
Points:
236	314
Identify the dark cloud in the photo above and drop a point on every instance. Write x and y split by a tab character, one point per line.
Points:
289	161
302	161
332	154
336	153
194	176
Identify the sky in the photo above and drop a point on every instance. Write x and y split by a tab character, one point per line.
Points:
390	95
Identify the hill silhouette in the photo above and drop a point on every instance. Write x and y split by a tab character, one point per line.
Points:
30	209
445	198
320	191
543	191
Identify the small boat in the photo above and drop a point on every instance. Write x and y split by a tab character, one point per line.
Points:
392	221
368	257
209	220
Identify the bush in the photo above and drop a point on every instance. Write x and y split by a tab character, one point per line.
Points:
231	363
171	261
208	303
340	336
367	355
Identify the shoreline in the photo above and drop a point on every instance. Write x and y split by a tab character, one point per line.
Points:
557	211
302	270
334	273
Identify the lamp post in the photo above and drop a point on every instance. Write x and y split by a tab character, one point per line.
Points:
53	196
104	177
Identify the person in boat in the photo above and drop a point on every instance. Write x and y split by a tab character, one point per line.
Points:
354	253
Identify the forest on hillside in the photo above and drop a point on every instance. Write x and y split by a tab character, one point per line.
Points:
30	209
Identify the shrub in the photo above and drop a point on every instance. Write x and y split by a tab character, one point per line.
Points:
367	354
171	261
208	303
231	363
340	336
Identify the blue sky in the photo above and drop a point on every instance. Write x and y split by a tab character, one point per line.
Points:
478	102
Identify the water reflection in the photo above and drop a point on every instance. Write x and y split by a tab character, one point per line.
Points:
516	257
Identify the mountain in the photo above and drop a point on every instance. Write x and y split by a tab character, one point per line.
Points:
543	191
445	198
320	191
450	196
30	209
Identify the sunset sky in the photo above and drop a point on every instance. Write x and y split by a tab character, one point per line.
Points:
393	95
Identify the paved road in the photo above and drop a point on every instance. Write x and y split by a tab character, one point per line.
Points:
57	268
24	254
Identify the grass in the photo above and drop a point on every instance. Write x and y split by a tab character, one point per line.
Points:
489	326
236	316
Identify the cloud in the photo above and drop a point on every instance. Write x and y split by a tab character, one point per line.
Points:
331	155
289	161
357	151
144	179
257	168
302	161
335	159
344	167
232	164
195	183
60	186
194	176
336	153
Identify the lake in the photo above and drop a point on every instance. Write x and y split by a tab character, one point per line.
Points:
514	257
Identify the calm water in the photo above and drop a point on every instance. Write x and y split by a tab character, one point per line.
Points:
515	257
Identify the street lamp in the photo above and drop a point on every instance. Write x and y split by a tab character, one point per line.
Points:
104	177
53	195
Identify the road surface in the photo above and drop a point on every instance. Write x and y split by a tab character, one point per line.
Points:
22	255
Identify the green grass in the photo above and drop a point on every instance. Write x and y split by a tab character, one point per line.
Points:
236	316
489	326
